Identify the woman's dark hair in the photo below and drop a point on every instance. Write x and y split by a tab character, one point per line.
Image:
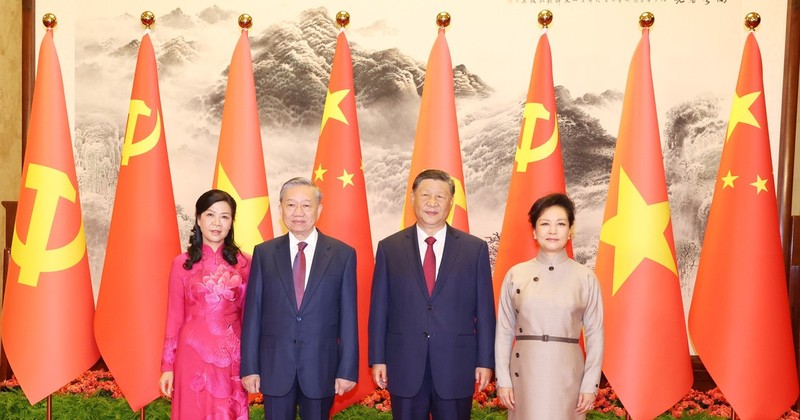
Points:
544	203
229	248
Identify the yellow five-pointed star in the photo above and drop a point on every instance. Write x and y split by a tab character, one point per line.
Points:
346	178
741	112
319	172
636	232
760	184
250	212
727	180
332	110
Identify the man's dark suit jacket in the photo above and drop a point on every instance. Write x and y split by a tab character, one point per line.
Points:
319	342
457	323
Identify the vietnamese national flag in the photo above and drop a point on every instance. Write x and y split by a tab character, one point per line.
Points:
739	319
538	168
338	172
143	240
239	169
646	352
48	307
436	144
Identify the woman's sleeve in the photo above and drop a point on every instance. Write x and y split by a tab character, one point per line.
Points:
504	333
593	336
175	305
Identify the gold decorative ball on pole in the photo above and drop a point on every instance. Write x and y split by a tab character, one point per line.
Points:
752	20
245	21
646	20
443	20
49	20
545	18
148	19
342	18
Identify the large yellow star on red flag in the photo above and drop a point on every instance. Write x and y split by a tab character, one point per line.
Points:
741	112
636	232
332	109
250	212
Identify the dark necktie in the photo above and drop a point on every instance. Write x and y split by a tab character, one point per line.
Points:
429	264
299	272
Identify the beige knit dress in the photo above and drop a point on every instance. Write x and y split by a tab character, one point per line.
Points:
555	296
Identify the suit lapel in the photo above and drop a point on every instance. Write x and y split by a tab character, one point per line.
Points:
413	253
452	246
319	264
283	258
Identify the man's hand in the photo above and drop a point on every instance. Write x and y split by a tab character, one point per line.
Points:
482	377
506	396
252	383
379	375
341	386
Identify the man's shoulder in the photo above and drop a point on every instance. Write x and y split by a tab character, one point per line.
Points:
328	240
464	236
270	243
400	235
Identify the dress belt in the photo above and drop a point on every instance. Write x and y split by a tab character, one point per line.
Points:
548	338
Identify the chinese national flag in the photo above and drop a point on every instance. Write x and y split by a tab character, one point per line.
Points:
739	318
436	144
538	169
142	243
338	173
240	159
48	307
646	351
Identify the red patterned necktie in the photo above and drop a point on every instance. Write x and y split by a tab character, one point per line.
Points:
429	265
299	272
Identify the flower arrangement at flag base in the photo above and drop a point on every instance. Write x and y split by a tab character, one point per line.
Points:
96	393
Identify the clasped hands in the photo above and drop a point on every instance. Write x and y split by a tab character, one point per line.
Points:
252	384
482	376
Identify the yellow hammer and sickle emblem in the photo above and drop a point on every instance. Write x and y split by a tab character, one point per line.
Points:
33	257
525	152
129	148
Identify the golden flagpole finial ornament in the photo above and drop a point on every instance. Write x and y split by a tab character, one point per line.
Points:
245	21
49	20
342	19
148	19
545	18
443	20
646	20
752	20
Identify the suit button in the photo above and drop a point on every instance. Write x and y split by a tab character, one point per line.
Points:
517	355
430	307
299	318
426	334
516	374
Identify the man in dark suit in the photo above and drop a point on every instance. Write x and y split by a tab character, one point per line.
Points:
432	319
300	338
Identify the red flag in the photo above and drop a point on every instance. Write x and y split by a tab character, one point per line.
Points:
646	351
436	144
338	172
48	307
143	240
538	169
240	159
739	318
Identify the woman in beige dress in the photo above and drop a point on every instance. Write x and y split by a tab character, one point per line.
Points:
544	304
